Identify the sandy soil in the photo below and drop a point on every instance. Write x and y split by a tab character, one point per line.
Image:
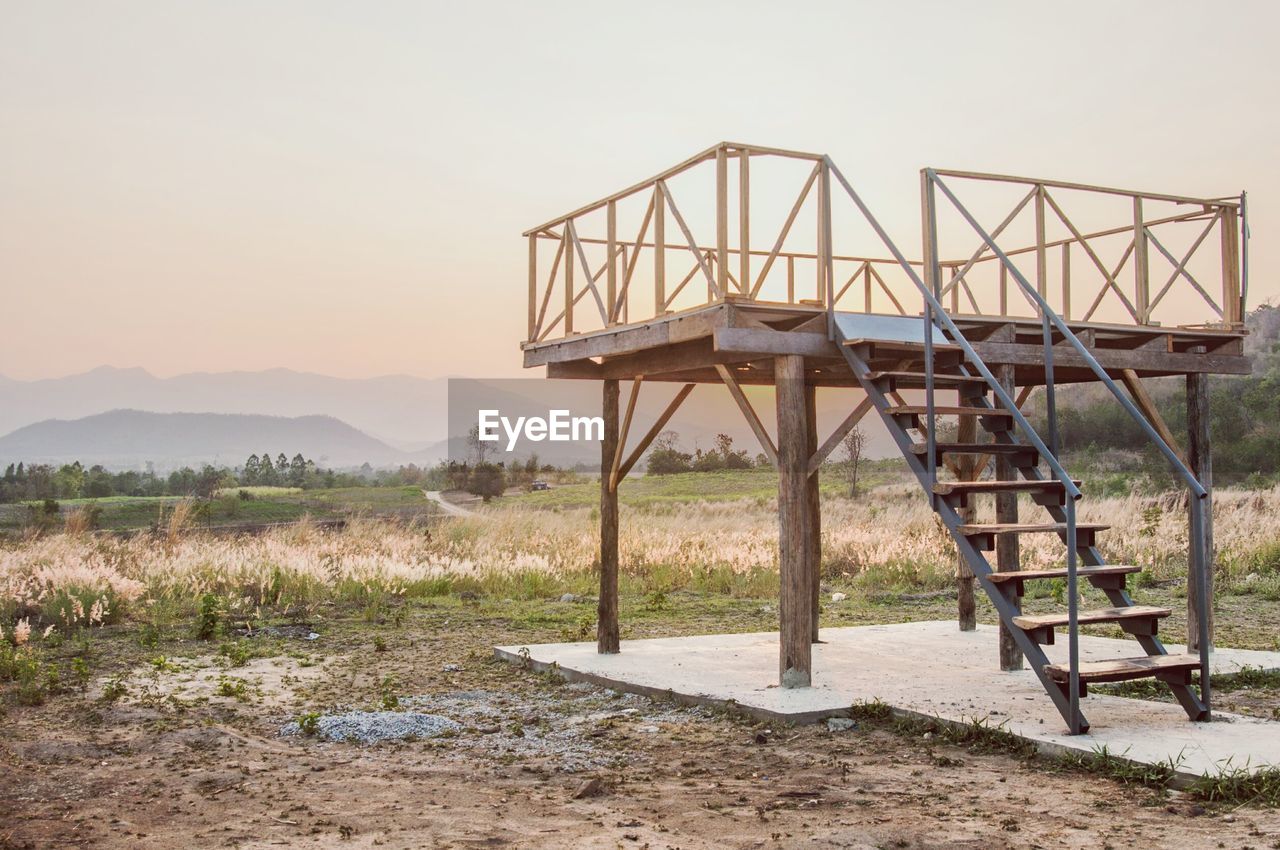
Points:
179	763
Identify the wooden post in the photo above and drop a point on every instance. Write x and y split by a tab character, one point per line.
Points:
1200	462
533	286
1142	278
1042	260
813	500
795	606
722	220
966	609
568	281
1066	280
611	276
1230	226
744	221
1007	554
659	251
607	607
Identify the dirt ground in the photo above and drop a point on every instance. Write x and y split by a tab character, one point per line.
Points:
192	755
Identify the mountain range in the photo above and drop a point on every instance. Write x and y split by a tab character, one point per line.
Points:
125	418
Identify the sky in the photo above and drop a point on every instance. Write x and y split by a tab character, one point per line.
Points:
341	187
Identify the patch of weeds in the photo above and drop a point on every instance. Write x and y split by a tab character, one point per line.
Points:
162	665
390	700
115	689
379	644
582	629
309	723
873	712
1103	762
34	679
80	672
656	600
1238	786
237	653
234	688
977	735
210	621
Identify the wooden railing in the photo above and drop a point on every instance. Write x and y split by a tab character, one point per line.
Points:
584	276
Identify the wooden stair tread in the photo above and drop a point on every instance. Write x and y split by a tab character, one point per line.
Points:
1100	615
944	410
1027	528
976	448
1061	572
1121	669
1029	485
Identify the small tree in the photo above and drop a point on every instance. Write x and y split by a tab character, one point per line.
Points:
853	444
487	480
665	458
479	449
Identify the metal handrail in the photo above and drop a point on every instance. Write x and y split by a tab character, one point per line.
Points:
934	308
932	302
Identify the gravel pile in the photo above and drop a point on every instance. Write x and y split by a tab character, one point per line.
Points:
577	728
371	727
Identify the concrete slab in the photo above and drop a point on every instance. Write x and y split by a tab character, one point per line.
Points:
926	669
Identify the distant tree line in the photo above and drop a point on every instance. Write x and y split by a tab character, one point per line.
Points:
666	457
1244	416
39	482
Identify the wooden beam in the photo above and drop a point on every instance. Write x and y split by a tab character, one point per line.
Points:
1148	407
607	633
768	343
653	432
626	427
766	443
795	611
837	436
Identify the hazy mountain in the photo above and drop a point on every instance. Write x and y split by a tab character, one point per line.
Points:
406	419
405	411
131	438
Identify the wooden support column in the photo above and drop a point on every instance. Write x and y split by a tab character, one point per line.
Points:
966	608
795	606
607	607
813	502
1007	554
1200	462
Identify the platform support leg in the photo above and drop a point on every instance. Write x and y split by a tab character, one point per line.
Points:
1200	461
607	606
813	535
795	602
966	607
1007	550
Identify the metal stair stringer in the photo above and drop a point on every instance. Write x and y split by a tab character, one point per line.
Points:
973	557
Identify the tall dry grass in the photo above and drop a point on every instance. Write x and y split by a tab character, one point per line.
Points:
889	537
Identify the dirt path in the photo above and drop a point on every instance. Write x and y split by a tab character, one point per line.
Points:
448	507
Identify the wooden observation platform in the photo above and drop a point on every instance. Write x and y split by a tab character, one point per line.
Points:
1010	293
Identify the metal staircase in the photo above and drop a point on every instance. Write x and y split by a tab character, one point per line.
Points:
933	355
